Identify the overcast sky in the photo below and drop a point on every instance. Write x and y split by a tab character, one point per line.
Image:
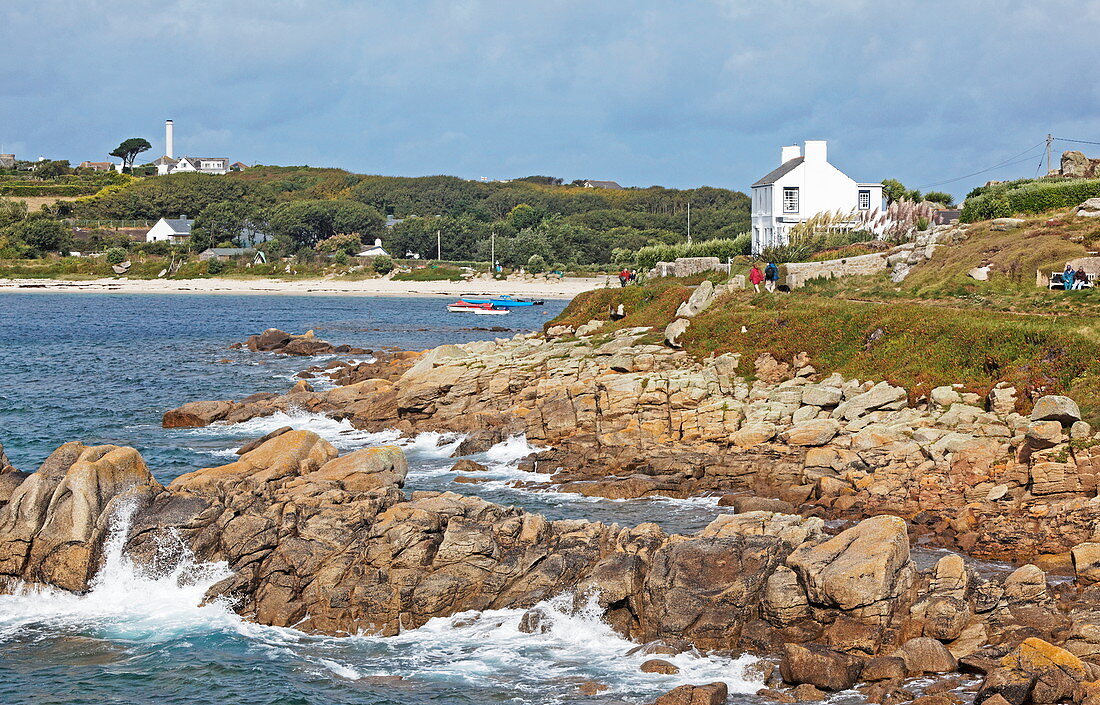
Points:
687	93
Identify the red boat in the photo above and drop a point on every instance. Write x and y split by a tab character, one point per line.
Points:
485	309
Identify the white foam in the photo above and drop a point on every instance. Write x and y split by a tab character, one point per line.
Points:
339	433
488	647
512	450
126	600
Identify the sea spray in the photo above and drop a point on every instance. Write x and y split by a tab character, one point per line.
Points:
126	599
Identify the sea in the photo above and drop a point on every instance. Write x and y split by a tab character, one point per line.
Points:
103	368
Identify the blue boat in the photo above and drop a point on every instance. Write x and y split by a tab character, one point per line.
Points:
505	300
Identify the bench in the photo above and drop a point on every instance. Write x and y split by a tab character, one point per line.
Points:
1056	281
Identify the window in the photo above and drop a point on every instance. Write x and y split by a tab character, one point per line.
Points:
864	200
790	200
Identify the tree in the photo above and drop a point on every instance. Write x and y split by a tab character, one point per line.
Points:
525	216
52	169
383	264
940	197
11	211
309	222
129	149
222	220
43	235
115	255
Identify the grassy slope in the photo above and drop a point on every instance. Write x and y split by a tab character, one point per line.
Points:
938	327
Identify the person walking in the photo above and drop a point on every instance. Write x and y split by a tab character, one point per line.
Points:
1067	277
756	276
624	277
1080	279
771	277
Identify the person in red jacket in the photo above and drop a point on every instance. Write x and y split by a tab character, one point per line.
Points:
756	276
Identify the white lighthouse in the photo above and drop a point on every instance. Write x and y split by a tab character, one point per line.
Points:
168	148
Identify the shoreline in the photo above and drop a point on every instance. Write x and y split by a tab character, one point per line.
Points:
546	289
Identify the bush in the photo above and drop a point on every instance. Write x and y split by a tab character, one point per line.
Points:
940	197
1005	200
215	266
383	264
536	264
647	257
115	255
340	258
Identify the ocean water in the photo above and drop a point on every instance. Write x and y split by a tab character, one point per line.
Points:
102	368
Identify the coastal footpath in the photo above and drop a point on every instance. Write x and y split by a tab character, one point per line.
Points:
829	481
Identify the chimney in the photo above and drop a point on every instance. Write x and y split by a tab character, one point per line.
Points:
789	153
815	151
377	242
168	147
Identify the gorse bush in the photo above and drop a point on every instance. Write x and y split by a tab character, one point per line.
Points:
383	264
648	257
1005	200
115	255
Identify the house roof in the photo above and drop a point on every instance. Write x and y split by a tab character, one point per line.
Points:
783	169
180	226
165	160
603	184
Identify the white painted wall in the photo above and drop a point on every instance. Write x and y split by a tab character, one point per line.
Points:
821	187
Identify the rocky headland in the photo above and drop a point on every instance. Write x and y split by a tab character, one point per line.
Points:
828	480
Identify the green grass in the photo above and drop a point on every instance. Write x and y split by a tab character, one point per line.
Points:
430	273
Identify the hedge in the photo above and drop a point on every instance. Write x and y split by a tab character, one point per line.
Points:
648	257
1033	197
46	190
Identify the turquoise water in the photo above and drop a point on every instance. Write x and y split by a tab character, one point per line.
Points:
102	368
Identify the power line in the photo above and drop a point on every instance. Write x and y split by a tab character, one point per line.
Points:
1064	139
1008	162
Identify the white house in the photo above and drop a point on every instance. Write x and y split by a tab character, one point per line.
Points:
174	230
375	251
804	185
200	164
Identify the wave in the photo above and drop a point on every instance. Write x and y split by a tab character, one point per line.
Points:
126	600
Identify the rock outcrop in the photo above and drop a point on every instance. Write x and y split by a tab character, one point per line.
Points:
307	344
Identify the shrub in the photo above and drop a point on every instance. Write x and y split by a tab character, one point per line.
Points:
215	266
922	223
341	257
940	197
649	256
383	264
1005	200
536	264
115	255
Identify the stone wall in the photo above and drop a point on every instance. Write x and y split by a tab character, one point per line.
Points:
798	273
688	266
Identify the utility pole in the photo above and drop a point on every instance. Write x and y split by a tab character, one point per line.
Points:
1050	139
689	222
438	245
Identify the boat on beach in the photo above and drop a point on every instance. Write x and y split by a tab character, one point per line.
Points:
480	309
500	300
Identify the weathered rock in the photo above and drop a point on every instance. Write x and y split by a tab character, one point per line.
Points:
926	655
674	330
1056	408
196	414
819	666
253	445
656	665
1035	671
811	433
464	465
1044	434
712	694
1086	561
884	668
785	601
862	569
807	693
881	396
699	300
1089	209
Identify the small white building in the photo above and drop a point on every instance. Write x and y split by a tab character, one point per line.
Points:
375	251
174	230
202	165
804	185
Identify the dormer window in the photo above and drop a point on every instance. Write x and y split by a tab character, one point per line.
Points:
790	199
864	200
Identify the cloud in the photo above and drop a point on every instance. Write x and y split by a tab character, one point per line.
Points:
644	92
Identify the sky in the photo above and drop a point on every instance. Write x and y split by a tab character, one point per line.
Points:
681	94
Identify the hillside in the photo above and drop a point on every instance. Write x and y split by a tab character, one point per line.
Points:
937	327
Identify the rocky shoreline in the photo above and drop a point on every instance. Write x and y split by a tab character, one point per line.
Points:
829	482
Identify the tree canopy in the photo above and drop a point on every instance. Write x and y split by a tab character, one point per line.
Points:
129	149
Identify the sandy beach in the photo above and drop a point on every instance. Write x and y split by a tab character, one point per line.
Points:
533	288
